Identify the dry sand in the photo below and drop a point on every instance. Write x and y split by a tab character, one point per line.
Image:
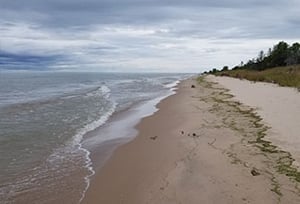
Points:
195	149
278	106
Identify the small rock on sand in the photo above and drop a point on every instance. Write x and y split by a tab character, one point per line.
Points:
153	137
255	172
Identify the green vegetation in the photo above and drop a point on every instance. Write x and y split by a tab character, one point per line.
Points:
284	76
282	54
280	65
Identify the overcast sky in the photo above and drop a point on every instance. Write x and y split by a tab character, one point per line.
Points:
141	35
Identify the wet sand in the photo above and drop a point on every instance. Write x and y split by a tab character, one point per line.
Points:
198	148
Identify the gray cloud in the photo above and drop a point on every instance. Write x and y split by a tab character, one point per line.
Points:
86	12
25	61
170	34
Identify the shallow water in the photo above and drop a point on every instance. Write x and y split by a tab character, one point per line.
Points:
44	119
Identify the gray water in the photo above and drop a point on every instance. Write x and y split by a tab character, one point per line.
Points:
43	120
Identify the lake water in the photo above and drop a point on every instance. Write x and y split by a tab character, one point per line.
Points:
44	117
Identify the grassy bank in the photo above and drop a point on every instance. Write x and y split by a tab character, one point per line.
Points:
284	76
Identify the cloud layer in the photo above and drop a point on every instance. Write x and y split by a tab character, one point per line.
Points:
141	35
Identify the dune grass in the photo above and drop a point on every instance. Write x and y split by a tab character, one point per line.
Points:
284	76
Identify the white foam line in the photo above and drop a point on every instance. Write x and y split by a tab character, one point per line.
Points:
78	139
105	91
145	110
172	84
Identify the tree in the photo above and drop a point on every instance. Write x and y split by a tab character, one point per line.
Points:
269	52
279	54
261	56
225	68
293	54
282	54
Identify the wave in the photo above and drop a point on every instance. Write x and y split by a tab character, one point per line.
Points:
172	85
71	112
69	158
77	139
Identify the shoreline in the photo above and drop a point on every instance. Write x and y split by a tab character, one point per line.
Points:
103	140
187	152
122	145
59	164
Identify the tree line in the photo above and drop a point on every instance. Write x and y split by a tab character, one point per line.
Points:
282	54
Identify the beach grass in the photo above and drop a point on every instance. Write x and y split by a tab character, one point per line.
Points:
284	76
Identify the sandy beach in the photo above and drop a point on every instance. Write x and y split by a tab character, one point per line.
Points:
201	146
278	106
